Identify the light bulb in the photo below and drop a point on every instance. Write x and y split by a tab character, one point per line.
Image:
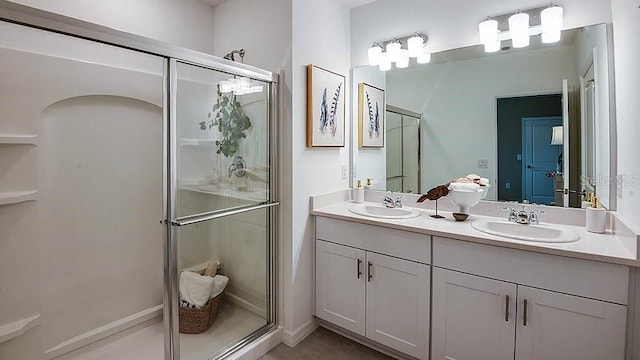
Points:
374	53
488	30
519	28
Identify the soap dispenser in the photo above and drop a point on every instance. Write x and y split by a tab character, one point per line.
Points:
586	203
358	193
596	220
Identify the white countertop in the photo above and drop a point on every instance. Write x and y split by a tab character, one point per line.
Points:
608	247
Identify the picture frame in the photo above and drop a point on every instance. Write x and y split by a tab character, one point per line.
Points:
371	116
325	108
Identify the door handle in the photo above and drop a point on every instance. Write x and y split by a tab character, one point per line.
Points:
359	272
529	167
369	276
524	316
506	313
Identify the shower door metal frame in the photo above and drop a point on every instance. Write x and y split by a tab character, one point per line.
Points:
171	54
173	223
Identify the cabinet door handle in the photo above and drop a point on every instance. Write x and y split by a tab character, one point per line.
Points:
506	313
369	271
358	270
524	316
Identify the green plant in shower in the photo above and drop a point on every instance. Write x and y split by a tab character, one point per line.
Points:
228	116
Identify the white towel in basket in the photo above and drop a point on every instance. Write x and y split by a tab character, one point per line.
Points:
195	288
219	283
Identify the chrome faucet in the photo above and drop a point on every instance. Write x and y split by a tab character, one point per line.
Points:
513	215
523	216
238	167
390	203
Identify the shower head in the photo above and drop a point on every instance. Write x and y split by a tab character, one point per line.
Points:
230	56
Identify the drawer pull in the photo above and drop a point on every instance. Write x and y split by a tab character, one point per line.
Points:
524	317
369	271
359	272
506	313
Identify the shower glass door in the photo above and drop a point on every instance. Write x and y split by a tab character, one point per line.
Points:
220	241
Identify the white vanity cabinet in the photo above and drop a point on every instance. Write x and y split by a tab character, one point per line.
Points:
488	301
375	282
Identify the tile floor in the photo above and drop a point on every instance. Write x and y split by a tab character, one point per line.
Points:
323	344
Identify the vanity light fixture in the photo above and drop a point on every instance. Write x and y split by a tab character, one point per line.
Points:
519	27
393	52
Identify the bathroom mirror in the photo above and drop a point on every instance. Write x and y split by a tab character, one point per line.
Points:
534	121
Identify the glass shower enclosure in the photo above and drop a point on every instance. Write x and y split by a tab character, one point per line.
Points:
140	177
220	206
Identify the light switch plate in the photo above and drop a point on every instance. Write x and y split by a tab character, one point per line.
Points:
483	163
354	171
345	171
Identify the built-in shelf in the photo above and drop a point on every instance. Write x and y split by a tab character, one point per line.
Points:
18	139
16	197
197	142
14	329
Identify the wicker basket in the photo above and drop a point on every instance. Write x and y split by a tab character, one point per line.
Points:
196	321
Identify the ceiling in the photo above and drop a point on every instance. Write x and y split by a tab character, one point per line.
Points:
349	3
212	2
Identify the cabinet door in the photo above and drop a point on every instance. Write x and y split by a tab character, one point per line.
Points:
398	304
560	326
474	318
340	285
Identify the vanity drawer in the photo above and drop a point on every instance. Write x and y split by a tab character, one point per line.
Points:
591	279
402	244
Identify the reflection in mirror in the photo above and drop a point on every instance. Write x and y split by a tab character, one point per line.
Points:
535	121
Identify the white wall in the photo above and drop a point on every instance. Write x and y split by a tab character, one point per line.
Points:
187	23
626	26
457	103
450	24
370	162
262	28
320	37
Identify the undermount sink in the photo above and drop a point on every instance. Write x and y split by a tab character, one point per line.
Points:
538	233
382	212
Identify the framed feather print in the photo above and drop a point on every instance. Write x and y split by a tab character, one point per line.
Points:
371	112
325	108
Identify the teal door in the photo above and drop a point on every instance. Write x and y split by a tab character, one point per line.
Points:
540	159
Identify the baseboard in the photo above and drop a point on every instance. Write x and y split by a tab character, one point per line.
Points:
261	346
293	338
245	304
366	342
106	333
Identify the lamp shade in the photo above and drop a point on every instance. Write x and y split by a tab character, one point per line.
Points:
557	137
519	28
393	49
551	21
423	58
415	45
488	30
374	53
402	61
385	62
492	47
